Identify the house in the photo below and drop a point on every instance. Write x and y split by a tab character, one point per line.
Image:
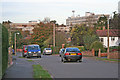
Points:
114	37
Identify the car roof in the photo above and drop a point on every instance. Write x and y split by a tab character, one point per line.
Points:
33	45
72	48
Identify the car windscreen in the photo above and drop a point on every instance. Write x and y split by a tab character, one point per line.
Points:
25	47
48	48
33	48
72	50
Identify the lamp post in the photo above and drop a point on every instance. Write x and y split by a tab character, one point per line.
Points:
15	42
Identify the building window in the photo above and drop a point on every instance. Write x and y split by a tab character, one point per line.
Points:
101	39
112	38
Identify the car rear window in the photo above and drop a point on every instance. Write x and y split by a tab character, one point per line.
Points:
48	48
33	48
72	50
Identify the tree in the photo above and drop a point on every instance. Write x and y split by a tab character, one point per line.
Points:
89	39
115	21
41	33
46	20
96	46
78	32
102	22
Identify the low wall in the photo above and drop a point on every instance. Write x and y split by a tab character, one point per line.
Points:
19	50
88	53
114	55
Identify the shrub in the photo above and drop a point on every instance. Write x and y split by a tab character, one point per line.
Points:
96	46
4	49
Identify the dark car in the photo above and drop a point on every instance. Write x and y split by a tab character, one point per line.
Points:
71	54
47	51
61	51
33	50
24	52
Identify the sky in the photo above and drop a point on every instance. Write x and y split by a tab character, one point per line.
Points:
22	11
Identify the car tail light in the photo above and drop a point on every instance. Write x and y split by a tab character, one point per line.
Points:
79	53
25	51
67	53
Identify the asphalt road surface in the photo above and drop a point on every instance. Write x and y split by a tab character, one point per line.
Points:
89	68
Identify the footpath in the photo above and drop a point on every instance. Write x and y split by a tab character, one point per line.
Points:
21	68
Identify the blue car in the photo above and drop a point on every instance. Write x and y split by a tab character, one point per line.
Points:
33	50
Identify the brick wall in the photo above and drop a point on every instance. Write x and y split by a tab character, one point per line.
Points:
88	53
114	55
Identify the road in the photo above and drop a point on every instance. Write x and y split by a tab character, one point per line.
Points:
89	68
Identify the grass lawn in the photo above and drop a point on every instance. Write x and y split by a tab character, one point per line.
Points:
40	73
30	60
116	60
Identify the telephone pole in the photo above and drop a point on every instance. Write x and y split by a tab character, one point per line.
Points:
108	38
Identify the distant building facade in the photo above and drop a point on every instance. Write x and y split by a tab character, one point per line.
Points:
62	28
88	18
24	26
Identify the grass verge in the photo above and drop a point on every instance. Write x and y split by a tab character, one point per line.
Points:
30	60
40	73
21	57
105	59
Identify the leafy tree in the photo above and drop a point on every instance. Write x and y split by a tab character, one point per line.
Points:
79	32
96	46
115	21
101	22
89	39
41	33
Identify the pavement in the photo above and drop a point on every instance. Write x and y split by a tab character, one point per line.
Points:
89	68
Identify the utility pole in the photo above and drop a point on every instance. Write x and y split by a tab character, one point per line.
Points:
15	43
53	34
108	38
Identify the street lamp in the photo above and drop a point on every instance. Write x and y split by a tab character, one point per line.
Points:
15	42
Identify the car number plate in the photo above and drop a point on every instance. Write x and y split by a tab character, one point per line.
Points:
73	53
34	54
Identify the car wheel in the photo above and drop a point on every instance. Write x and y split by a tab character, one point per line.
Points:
28	56
79	60
63	60
39	56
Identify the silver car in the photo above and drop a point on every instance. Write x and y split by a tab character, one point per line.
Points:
47	51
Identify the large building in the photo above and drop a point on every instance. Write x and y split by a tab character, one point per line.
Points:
89	18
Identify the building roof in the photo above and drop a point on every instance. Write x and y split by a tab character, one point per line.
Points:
112	33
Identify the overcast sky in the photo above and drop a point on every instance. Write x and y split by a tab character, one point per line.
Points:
22	11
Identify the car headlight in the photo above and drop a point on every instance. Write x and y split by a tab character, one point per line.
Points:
29	52
39	51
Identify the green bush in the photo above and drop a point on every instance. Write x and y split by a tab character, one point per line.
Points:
5	44
96	46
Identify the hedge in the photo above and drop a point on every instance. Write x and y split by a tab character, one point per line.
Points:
5	44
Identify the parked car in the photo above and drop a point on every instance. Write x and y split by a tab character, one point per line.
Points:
33	50
61	51
24	52
71	54
47	51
